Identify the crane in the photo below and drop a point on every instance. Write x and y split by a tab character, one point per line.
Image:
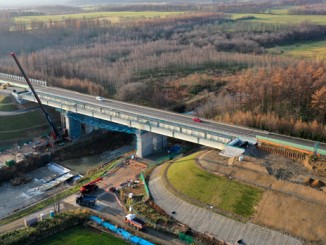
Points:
90	187
54	131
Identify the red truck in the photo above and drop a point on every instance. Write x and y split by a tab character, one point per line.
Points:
133	221
90	187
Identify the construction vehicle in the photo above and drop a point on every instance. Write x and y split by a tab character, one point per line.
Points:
5	85
86	200
90	187
135	222
54	131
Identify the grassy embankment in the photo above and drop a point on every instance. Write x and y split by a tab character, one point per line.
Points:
187	178
82	236
114	17
6	104
20	126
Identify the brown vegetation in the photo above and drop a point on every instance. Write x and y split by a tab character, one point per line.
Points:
181	61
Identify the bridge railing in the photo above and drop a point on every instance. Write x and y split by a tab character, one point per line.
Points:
78	107
19	78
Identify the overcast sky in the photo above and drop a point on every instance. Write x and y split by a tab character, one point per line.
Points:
24	3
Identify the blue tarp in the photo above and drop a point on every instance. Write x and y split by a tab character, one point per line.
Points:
125	234
145	242
109	226
96	219
135	239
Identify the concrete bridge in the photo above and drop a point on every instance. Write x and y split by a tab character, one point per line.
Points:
151	126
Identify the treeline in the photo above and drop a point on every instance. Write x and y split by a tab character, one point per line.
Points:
317	9
135	61
289	100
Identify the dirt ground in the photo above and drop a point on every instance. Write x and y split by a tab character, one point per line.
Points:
288	205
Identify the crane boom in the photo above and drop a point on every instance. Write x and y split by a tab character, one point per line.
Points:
55	132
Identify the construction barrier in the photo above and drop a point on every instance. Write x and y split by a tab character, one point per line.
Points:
291	146
144	182
185	238
125	234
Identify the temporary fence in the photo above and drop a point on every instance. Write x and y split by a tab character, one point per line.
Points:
145	184
186	238
122	232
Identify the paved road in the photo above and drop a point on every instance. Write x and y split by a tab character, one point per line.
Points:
161	115
219	226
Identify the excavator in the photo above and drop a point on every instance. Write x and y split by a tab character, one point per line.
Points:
90	187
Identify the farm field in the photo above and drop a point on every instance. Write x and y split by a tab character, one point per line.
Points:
114	17
307	49
281	18
82	236
191	180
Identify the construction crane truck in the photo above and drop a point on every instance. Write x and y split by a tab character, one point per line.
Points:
54	131
90	187
135	222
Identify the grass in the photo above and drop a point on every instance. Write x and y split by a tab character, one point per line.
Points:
26	125
6	104
281	18
229	195
21	121
82	236
304	49
114	17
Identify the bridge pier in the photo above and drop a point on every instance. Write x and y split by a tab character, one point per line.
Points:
89	128
148	142
73	127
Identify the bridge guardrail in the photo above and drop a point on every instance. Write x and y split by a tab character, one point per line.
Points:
19	78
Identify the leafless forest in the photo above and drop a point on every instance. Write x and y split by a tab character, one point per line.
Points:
201	60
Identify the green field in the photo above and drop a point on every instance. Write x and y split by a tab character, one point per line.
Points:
82	236
114	17
307	49
189	179
282	18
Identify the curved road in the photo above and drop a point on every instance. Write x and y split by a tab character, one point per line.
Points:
214	224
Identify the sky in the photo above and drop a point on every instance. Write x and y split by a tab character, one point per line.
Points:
24	3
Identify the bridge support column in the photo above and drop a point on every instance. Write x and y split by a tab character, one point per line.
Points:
74	128
148	142
89	128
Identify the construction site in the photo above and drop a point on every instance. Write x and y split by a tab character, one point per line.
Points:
42	167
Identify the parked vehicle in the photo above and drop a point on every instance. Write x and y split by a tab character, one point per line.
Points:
135	222
86	200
